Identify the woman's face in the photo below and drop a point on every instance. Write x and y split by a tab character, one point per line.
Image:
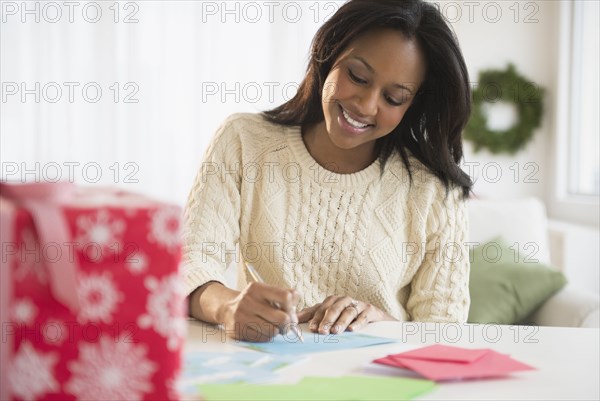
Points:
370	87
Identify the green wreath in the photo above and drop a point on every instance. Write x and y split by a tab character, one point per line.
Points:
507	86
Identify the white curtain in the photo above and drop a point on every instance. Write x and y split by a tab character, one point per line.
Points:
130	93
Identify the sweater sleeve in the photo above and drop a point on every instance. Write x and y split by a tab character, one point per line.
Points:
211	219
440	287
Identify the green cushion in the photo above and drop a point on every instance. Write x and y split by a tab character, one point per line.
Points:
506	287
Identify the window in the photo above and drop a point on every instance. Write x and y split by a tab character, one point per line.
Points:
584	153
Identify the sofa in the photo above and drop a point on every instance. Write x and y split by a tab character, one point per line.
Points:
524	221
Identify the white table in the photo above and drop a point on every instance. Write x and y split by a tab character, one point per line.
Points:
567	359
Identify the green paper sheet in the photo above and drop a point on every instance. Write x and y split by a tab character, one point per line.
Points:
371	387
346	388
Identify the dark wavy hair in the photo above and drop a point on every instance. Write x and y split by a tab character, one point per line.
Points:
431	128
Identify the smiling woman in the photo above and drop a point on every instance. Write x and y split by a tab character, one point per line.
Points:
367	93
361	217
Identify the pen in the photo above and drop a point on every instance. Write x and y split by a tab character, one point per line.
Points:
256	277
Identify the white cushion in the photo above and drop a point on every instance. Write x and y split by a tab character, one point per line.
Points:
570	307
521	221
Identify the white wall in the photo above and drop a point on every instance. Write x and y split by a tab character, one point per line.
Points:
176	54
492	40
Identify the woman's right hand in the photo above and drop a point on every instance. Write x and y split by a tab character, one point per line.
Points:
259	312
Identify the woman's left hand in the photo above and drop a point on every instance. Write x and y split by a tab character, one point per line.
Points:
336	314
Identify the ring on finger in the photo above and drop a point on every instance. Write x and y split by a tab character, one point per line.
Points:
354	304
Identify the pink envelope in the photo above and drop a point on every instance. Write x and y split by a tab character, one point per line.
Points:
492	364
390	361
446	353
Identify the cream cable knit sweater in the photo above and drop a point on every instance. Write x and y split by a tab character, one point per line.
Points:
259	195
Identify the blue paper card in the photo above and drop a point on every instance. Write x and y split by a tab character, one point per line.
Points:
314	342
230	368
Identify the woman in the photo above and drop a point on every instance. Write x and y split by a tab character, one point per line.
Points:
348	199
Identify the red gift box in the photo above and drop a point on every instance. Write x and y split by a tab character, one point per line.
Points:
92	302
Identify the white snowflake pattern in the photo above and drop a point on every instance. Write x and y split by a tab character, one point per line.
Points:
165	309
24	311
31	373
29	258
98	298
55	332
110	370
173	391
137	263
165	227
102	231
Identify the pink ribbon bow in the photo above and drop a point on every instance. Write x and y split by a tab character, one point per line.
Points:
42	200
